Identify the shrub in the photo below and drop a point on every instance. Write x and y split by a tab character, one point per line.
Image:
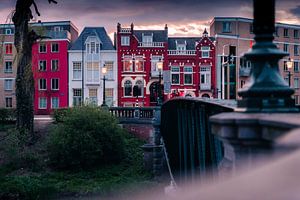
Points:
60	114
87	137
7	115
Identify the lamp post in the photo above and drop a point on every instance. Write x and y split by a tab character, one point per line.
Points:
289	65
104	70
223	72
159	97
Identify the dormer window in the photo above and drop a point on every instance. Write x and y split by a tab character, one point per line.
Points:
57	29
8	31
181	47
147	39
93	46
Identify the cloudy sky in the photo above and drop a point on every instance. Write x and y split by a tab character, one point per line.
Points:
184	17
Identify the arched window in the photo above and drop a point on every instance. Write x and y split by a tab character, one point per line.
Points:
140	85
128	88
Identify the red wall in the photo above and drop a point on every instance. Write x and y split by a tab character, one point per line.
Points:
61	74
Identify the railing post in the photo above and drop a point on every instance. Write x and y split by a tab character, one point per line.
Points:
241	132
157	151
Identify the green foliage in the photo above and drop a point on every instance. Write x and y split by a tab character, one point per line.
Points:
60	114
25	187
7	115
87	137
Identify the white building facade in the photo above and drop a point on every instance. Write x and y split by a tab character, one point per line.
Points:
92	51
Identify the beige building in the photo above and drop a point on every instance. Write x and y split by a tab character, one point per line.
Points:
7	66
234	37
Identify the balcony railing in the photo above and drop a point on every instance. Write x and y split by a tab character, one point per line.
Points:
125	30
151	44
244	71
179	52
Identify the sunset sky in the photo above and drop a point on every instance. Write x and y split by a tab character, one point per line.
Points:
184	17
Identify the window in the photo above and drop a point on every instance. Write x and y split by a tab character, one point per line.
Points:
93	47
109	96
42	48
296	33
147	40
125	40
8	31
205	52
286	79
93	74
54	84
54	102
285	68
93	96
42	65
188	75
297	99
226	27
296	66
57	29
181	47
285	47
8	102
42	103
54	65
42	84
77	96
296	83
140	85
139	64
110	70
128	89
286	32
242	83
296	50
8	67
205	78
54	47
127	64
77	70
8	49
154	61
8	84
175	75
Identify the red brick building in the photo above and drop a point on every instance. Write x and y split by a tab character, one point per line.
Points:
138	55
191	64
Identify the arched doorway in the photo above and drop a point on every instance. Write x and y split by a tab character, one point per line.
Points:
154	91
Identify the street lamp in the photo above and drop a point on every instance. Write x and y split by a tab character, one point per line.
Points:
289	65
159	65
104	70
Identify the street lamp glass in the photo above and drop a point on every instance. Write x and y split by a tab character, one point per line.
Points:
104	70
159	65
289	64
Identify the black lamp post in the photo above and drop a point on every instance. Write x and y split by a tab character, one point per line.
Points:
159	96
289	65
104	70
267	90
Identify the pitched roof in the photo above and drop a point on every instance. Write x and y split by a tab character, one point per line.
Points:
158	35
100	32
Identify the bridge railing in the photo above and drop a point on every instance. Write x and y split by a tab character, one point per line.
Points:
185	128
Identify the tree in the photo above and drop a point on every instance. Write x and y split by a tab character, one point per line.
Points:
24	39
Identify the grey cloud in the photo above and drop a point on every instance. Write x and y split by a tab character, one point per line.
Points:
296	11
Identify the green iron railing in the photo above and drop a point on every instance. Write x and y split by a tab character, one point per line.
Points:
193	151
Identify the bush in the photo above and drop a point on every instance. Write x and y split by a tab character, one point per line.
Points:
87	137
7	115
60	114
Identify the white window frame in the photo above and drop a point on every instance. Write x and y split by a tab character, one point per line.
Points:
8	31
40	107
128	59
124	92
54	43
10	70
206	71
181	47
39	84
79	70
110	72
78	98
57	61
8	84
296	50
226	27
285	47
42	44
205	52
44	61
187	73
125	40
52	98
296	80
57	29
173	72
52	88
